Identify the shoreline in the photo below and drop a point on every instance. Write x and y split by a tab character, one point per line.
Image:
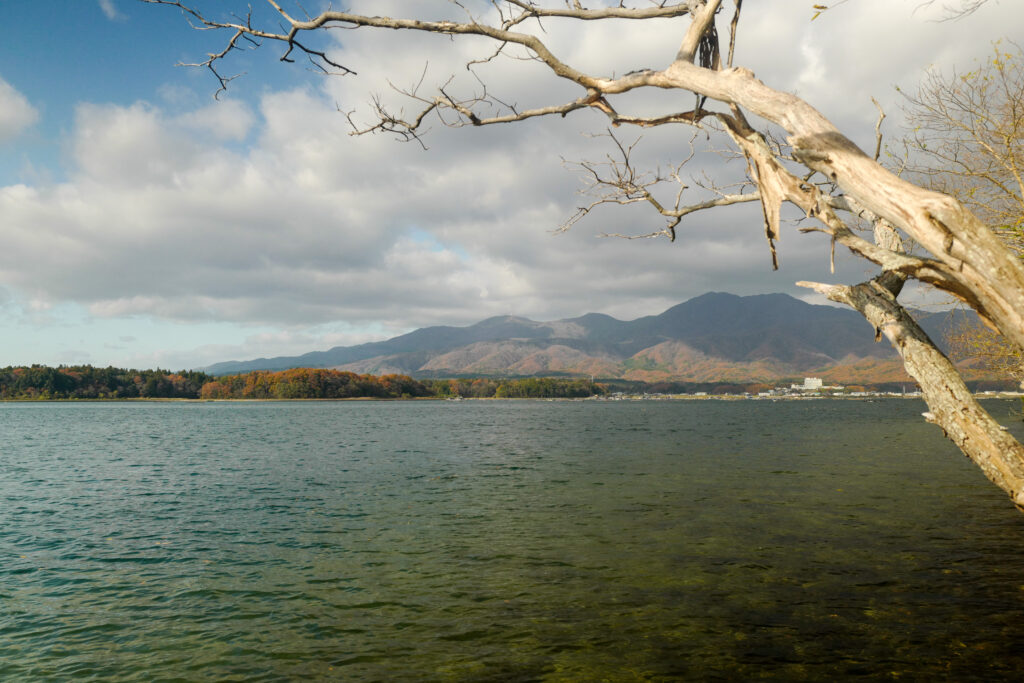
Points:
1003	395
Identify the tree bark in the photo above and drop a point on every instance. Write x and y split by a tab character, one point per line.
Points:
952	405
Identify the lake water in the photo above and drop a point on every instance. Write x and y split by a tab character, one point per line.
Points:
501	541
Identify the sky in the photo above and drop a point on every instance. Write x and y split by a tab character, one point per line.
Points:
146	223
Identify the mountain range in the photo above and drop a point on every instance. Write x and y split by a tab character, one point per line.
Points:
714	337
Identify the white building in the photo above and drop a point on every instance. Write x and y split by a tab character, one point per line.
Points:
810	384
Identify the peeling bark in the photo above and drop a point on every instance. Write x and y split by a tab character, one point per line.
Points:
953	408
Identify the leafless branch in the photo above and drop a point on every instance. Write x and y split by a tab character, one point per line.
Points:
659	11
618	181
878	129
732	32
964	8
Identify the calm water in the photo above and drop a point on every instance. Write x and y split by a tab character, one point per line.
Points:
501	541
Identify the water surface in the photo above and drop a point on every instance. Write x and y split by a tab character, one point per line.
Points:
503	541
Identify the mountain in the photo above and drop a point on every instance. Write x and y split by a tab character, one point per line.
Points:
713	337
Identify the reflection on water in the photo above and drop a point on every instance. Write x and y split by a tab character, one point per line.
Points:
501	541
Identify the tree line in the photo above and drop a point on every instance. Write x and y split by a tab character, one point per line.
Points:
87	382
527	387
310	383
40	382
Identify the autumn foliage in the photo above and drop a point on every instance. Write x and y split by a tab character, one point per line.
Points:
39	382
312	383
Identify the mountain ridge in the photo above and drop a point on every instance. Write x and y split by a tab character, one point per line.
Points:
749	338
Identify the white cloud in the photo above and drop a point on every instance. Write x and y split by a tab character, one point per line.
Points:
272	215
227	120
16	113
267	344
110	10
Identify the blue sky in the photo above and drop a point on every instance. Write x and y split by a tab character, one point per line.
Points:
112	53
147	224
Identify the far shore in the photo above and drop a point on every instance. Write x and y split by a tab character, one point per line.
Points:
599	399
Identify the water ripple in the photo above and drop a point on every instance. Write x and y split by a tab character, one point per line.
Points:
499	541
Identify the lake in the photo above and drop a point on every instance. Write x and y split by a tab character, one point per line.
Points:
502	541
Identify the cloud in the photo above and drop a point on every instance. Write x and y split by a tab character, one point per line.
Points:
269	214
16	113
261	344
110	10
227	120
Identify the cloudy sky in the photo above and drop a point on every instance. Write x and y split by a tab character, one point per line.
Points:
147	224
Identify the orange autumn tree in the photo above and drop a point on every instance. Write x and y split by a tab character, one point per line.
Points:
967	140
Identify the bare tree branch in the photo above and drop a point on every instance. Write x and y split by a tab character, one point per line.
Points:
956	11
618	181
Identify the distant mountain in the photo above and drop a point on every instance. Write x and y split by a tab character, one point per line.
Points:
713	337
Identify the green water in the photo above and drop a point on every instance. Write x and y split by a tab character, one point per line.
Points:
501	541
